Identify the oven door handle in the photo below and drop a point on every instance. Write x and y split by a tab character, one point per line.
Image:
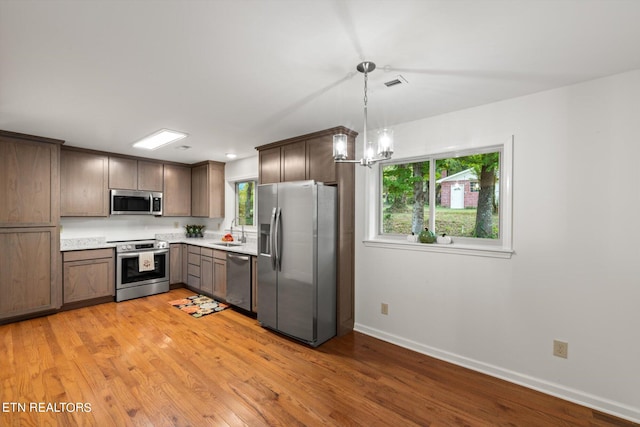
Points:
137	254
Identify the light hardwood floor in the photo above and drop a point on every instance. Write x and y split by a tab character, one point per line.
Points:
143	362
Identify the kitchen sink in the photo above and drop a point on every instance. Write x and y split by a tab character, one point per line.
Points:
227	244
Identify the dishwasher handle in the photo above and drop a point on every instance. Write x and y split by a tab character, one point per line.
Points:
240	257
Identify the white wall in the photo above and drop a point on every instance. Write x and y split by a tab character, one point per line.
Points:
575	274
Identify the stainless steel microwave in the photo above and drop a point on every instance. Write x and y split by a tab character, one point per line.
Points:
132	202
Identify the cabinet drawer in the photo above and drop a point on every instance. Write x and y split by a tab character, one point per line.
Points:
220	254
194	249
194	259
193	281
193	270
207	252
87	254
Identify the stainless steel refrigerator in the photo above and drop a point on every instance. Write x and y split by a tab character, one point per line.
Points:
297	224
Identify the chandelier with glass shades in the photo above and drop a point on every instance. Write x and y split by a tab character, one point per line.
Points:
372	152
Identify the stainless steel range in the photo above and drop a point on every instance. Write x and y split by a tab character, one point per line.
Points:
142	268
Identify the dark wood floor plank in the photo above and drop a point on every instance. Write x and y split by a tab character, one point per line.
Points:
143	362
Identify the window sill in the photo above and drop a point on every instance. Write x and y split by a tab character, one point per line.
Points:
453	248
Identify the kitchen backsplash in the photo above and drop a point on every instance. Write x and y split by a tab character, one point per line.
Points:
142	227
131	227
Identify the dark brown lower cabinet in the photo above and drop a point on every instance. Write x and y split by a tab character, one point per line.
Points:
185	262
193	267
206	271
88	275
175	263
254	284
220	274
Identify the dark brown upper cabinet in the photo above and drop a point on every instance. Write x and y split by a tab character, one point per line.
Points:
177	190
84	179
207	190
132	174
305	157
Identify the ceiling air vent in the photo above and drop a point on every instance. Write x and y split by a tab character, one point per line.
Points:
397	81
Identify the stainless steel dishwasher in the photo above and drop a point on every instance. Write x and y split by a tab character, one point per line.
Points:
239	280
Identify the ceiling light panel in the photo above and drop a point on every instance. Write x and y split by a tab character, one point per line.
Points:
159	139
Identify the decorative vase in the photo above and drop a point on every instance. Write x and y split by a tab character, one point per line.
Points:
444	239
413	238
426	236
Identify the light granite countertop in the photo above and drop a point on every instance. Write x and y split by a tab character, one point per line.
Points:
209	241
84	243
249	248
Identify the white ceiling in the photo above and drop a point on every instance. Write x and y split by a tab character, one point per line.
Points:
235	74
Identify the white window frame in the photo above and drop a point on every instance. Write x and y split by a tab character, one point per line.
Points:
498	248
255	200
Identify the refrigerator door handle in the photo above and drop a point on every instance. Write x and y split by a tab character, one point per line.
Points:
278	241
272	238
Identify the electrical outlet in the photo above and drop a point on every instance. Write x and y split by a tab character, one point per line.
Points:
176	224
560	349
384	308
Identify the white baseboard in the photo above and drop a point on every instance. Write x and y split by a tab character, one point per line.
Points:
553	389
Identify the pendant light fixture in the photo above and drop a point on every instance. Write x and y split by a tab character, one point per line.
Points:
372	153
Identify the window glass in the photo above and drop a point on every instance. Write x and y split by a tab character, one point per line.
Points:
459	197
467	196
405	197
245	202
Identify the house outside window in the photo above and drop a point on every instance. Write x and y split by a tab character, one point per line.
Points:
245	202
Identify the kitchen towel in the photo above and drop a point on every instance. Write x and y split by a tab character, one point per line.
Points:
146	262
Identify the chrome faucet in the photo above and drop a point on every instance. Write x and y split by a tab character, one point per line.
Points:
243	238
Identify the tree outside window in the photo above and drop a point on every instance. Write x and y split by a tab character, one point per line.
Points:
245	202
